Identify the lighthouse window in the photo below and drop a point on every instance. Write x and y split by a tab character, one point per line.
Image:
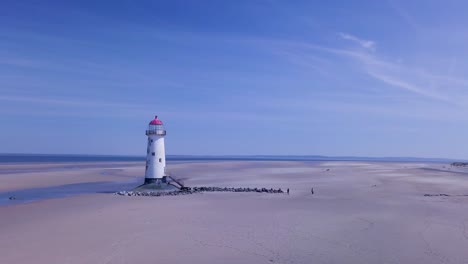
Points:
152	153
160	160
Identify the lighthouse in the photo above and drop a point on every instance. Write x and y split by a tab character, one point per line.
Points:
155	153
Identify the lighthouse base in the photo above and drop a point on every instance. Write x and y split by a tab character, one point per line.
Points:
156	184
155	180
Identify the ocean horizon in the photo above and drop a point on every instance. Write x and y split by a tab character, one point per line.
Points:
51	158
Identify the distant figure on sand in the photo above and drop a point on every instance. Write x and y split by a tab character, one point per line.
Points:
312	190
288	191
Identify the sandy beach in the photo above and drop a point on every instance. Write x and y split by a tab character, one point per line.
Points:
361	212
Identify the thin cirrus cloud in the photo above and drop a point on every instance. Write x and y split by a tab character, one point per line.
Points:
308	55
416	92
367	44
390	73
405	15
413	79
86	108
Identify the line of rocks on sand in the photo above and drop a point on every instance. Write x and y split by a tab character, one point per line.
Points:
459	164
443	194
187	190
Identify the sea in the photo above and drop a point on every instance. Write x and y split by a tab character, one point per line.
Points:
56	158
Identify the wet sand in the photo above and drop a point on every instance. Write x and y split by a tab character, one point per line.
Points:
361	212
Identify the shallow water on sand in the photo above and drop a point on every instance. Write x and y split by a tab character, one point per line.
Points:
67	190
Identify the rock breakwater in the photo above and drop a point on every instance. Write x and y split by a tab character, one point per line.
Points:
444	194
192	190
459	164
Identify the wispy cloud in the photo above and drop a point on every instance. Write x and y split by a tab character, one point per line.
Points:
414	79
67	102
367	44
406	84
391	74
63	106
417	91
405	15
45	106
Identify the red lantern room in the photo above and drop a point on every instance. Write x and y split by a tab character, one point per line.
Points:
156	127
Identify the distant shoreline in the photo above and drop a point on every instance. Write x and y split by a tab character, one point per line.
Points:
43	158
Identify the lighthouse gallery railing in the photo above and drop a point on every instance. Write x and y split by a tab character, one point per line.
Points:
156	132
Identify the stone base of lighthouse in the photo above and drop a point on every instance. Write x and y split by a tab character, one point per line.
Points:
156	184
156	180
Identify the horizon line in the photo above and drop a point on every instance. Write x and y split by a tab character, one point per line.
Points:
237	155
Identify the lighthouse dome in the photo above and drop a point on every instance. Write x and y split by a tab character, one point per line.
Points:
156	121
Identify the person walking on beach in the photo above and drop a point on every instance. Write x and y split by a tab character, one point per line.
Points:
288	191
312	190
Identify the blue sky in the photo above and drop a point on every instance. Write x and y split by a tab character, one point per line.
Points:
363	78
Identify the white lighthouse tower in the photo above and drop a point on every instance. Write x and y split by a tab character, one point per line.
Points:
155	153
